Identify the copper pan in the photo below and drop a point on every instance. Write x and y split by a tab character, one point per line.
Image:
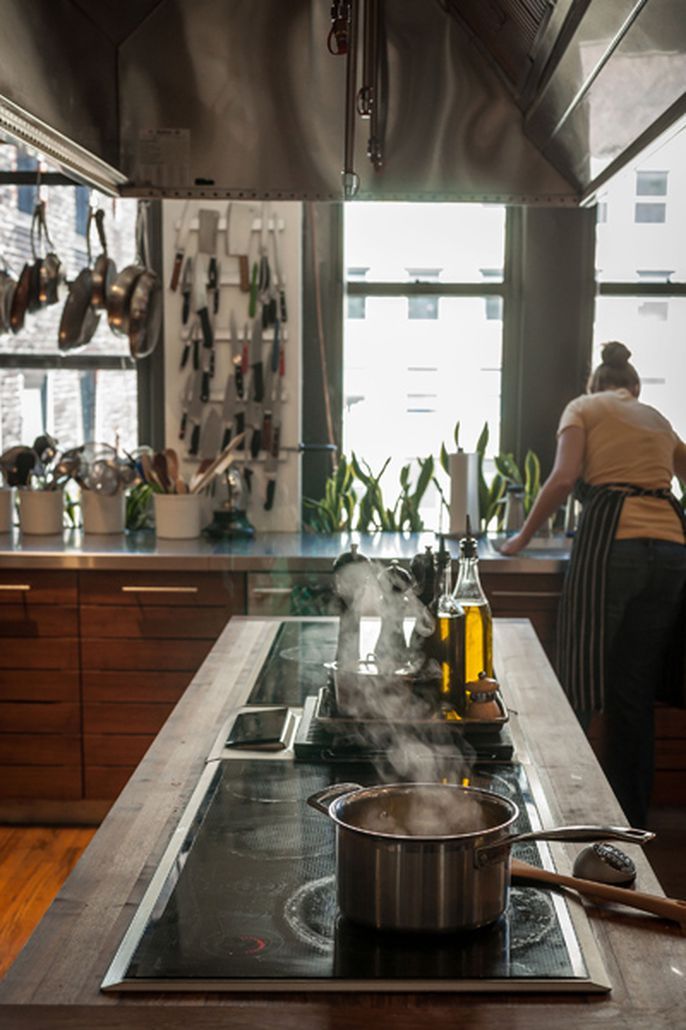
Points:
104	269
145	314
20	298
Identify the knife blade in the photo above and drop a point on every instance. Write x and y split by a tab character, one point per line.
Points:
180	245
278	278
228	409
187	333
200	276
271	464
253	419
210	435
236	354
186	289
239	221
256	360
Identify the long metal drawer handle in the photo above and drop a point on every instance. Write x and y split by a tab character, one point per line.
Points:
15	586
159	590
525	593
270	590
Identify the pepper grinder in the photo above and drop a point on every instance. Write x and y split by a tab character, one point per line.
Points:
391	650
351	574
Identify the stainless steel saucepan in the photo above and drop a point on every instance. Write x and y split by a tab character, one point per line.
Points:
431	857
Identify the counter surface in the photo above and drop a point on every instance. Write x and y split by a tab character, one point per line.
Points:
267	552
55	981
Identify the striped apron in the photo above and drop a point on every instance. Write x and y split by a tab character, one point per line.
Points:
581	620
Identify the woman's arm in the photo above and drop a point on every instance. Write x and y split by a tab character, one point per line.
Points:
559	484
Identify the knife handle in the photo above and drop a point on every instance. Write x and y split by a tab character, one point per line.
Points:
204	316
205	386
276	440
176	270
271	490
245	360
238	372
282	305
258	382
185	306
196	354
240	426
276	347
212	364
247	476
195	439
244	273
185	355
256	442
252	303
182	427
267	431
226	439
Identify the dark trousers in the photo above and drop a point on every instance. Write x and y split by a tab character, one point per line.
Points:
645	584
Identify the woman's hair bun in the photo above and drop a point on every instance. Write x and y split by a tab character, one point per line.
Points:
615	354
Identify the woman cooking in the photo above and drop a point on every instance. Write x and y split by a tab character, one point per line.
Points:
623	599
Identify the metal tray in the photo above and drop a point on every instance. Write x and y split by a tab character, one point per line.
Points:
328	716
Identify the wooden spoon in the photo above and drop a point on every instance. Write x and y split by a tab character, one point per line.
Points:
178	483
217	466
667	908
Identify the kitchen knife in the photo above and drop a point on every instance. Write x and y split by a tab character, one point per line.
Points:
213	283
210	435
200	277
187	332
208	223
195	410
256	360
253	418
271	464
278	278
186	289
228	409
186	398
236	355
239	222
180	245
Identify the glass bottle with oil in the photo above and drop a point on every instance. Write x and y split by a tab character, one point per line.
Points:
470	595
448	642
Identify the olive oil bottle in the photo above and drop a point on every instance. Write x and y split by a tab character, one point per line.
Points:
470	595
448	641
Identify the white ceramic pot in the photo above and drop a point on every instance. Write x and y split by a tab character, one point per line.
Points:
6	509
178	516
41	511
103	513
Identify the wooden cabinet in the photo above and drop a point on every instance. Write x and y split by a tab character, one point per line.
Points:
143	636
531	595
40	710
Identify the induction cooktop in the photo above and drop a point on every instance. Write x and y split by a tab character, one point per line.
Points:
244	899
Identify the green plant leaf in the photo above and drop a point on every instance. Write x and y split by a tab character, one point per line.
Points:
456	435
444	460
482	442
425	476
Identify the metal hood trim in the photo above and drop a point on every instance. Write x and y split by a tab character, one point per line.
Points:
20	125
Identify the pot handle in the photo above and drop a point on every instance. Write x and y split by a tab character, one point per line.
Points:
323	798
574	834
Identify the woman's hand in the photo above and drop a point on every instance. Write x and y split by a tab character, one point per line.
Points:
514	545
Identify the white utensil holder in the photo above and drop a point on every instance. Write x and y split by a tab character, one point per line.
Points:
6	509
178	516
41	512
464	492
103	513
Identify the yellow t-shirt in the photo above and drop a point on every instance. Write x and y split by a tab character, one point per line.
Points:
629	442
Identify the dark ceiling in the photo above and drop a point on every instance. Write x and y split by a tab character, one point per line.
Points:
116	19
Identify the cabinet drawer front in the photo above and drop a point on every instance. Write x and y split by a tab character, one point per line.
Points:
135	686
168	589
116	749
200	623
106	782
173	655
291	593
38	685
49	782
49	654
32	621
40	749
100	717
60	717
18	587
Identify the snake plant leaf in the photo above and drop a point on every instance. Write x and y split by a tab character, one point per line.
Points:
426	471
405	476
364	477
532	479
482	442
444	460
456	435
507	467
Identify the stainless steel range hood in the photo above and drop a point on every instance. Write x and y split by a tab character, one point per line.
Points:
513	101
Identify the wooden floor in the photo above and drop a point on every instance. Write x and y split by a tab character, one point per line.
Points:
35	862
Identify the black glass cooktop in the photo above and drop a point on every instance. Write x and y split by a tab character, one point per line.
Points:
245	899
295	667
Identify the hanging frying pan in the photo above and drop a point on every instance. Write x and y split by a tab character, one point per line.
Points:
79	321
8	285
121	292
145	314
50	278
20	299
104	269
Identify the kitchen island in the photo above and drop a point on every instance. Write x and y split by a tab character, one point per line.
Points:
56	980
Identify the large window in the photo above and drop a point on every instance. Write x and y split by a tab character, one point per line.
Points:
642	274
83	394
428	350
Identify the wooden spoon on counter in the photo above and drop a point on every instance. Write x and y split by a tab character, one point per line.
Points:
667	908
